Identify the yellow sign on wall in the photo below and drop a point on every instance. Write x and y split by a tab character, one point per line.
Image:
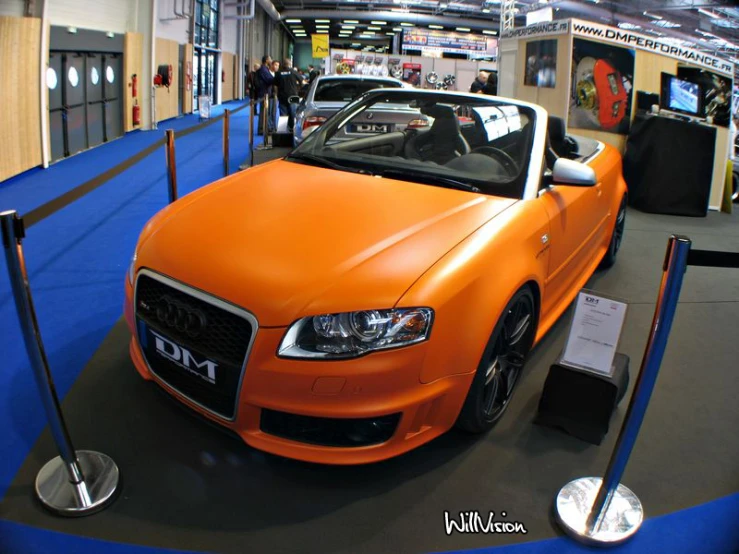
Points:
320	45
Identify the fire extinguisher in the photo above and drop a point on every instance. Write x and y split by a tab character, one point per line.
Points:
134	84
136	113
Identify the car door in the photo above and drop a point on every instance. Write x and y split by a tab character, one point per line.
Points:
575	234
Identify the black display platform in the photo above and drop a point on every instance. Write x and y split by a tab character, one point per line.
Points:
581	402
190	487
668	165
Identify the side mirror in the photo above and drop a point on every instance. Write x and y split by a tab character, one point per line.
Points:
570	172
294	100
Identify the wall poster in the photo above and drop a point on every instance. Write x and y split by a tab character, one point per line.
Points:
716	92
602	88
541	63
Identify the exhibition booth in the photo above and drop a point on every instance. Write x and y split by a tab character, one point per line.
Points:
601	80
208	416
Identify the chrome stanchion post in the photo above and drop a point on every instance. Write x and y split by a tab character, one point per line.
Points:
602	511
226	117
171	165
75	483
265	129
251	132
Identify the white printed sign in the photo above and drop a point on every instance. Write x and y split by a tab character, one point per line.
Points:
596	328
587	29
549	28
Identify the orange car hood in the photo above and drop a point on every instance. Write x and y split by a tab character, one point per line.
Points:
285	240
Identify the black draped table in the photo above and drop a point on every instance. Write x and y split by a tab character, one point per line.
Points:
668	165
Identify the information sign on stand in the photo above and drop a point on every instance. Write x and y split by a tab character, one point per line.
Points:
204	107
594	333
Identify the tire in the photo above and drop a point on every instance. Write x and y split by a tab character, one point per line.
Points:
616	237
501	365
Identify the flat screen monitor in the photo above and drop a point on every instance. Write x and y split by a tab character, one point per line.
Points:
681	96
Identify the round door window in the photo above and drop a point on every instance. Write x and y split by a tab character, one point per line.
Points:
51	80
109	74
94	75
73	76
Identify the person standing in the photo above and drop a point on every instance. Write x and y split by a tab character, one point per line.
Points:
264	81
251	82
479	82
312	73
491	86
288	82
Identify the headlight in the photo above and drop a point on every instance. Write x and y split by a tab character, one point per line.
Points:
351	334
132	268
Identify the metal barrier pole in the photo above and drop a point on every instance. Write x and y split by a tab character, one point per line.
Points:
251	132
265	129
226	118
171	165
602	511
75	483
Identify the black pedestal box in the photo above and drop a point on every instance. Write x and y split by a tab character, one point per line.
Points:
282	139
582	402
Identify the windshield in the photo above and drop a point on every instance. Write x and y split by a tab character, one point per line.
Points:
474	143
346	90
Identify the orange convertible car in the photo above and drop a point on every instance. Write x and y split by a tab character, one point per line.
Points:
377	286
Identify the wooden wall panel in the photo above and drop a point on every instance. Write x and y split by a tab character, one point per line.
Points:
133	52
20	116
227	82
187	100
554	100
167	99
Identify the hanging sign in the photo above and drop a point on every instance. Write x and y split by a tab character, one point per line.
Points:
443	41
320	45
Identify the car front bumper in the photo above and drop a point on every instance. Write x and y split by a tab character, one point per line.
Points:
378	385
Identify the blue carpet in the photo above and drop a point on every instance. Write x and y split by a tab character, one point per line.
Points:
76	261
706	529
38	186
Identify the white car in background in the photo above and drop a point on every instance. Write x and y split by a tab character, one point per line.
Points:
327	94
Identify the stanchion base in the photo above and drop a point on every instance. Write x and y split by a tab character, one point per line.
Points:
92	495
623	517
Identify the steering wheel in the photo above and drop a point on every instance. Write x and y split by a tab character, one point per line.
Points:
499	155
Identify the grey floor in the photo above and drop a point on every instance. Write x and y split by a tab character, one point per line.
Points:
188	486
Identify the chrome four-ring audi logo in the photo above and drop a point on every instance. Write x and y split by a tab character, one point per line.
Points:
174	315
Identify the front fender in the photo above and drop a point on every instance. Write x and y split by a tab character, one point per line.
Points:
470	286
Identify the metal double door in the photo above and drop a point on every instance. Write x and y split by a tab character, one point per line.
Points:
85	100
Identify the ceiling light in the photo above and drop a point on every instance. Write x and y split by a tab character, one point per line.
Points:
485	10
351	21
435	27
629	26
375	28
390	34
653	16
667	24
379	23
292	21
348	27
323	26
397	29
443	5
463	29
322	31
709	14
486	32
406	24
323	21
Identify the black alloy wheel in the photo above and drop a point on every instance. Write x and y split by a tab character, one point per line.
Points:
616	237
501	365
